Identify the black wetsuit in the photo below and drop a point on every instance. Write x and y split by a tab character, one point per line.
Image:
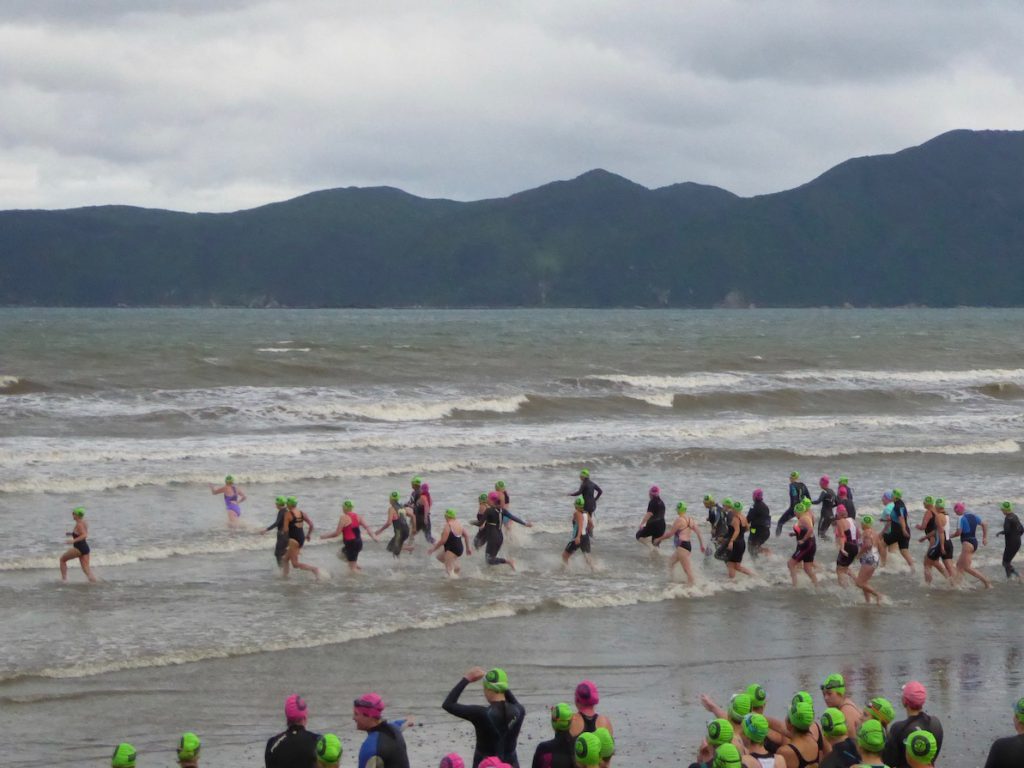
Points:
399	530
719	518
759	518
556	753
1012	530
493	536
497	725
843	755
894	754
282	535
851	508
797	493
481	535
1006	753
591	492
384	746
655	525
293	748
828	501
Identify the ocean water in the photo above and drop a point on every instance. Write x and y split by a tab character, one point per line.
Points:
131	413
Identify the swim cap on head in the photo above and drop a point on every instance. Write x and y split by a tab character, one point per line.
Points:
452	761
940	503
123	757
493	497
755	727
607	742
328	749
802	696
844	480
922	746
369	705
881	710
833	722
727	756
291	501
654	490
727	502
720	731
78	512
449	514
295	708
709	499
823	480
588	749
914	694
229	479
738	506
681	508
1006	506
500	485
929	500
834	682
578	501
416	481
871	736
394	495
794	475
561	716
897	493
424	487
739	707
347	504
280	501
482	497
758	695
959	508
496	680
887	496
493	762
867	521
188	746
841	511
1018	709
758	494
843	493
584	473
586	694
801	714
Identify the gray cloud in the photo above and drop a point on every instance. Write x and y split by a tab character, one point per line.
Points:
218	105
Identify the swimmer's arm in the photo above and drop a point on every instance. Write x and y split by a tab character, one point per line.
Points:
984	534
241	495
334	534
643	522
386	523
670	532
820	497
277	523
309	520
369	530
443	538
699	537
465	535
513	518
215	491
577	492
710	705
471	712
599	491
79	534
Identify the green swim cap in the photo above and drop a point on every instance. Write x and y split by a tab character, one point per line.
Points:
394	495
578	501
291	501
834	682
897	493
801	714
417	480
328	749
280	501
727	756
709	499
482	497
871	736
727	501
755	727
681	508
449	514
1018	709
922	745
500	485
738	506
758	695
1006	506
794	475
940	502
561	716
719	731
347	504
844	480
739	707
188	746
229	479
833	722
867	520
881	710
584	473
607	742
78	512
496	680
123	757
929	500
588	749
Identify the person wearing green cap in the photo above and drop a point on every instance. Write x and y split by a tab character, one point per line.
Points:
880	709
680	531
1011	533
935	524
349	523
797	493
580	534
842	750
591	492
328	751
870	743
233	497
1008	752
452	537
296	522
727	756
587	750
756	697
967	530
497	724
921	749
79	549
188	750
736	545
868	559
123	757
398	519
833	691
607	746
282	535
754	732
419	506
806	544
559	751
806	746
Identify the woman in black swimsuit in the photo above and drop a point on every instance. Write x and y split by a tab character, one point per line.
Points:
296	521
451	543
79	546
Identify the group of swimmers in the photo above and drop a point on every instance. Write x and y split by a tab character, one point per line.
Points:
857	539
845	735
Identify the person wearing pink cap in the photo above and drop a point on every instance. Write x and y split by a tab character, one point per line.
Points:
914	697
452	760
759	518
828	501
493	762
294	747
586	719
384	746
653	523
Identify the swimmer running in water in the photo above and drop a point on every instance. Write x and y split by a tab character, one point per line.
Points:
296	521
233	497
494	538
653	523
968	533
398	520
282	534
452	541
848	542
759	518
806	544
934	524
590	492
828	501
1011	533
736	545
898	530
79	549
680	532
580	538
797	493
868	559
349	524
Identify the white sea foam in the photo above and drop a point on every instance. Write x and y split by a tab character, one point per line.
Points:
283	349
8	381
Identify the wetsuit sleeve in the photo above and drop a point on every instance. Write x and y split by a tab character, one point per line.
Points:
472	712
819	499
599	491
513	518
577	492
277	523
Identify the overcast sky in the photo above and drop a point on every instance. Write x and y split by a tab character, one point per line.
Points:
226	104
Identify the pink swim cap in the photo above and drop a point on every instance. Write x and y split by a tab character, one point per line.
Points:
452	761
295	708
758	494
824	480
959	508
843	493
425	488
493	496
914	694
369	705
655	490
586	694
493	762
841	511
